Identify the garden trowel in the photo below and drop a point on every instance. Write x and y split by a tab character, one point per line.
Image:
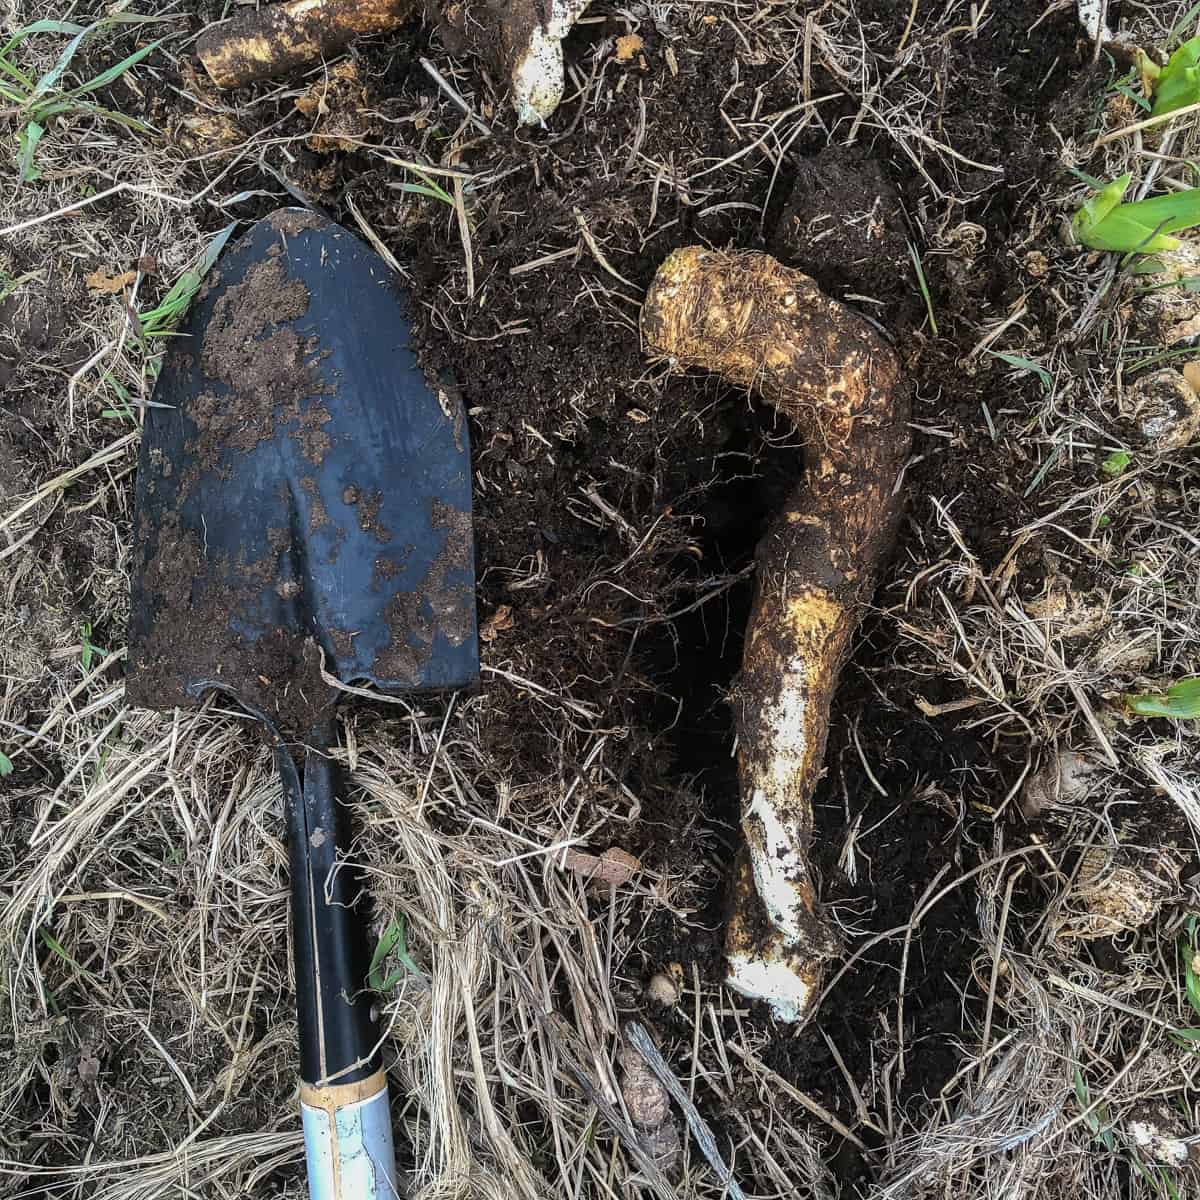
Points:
304	526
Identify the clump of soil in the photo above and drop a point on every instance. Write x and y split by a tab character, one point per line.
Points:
266	378
844	225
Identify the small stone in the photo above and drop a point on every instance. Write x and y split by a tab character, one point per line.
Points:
665	986
1165	409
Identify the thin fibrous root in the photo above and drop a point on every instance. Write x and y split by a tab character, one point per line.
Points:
763	326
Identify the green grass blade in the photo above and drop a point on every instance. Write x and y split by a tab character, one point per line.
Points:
1184	22
28	137
56	947
24	80
160	320
923	286
1025	364
6	767
13	97
47	25
115	72
419	189
52	76
108	114
1181	702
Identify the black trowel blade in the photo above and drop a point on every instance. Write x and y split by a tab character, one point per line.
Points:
304	498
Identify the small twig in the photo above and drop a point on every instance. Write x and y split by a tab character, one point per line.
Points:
175	1067
641	1041
597	253
99	459
464	232
374	238
805	1101
536	264
1019	310
997	951
1148	123
918	912
450	91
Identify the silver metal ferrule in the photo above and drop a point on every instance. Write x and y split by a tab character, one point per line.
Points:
348	1141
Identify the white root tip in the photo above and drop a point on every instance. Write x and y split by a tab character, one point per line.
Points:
773	975
537	74
1090	14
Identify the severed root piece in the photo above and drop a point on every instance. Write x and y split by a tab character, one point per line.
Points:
522	39
764	326
262	43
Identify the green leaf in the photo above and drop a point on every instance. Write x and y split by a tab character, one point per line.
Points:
1106	223
1178	83
28	137
391	941
1102	203
1136	97
90	649
1181	702
6	767
1025	364
1116	462
52	76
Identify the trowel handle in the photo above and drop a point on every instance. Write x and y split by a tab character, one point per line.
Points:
343	1089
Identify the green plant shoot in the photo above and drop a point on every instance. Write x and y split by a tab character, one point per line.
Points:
37	102
1178	83
1181	701
391	941
1116	462
159	321
1106	222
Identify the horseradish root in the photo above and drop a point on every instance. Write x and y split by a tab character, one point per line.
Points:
764	326
277	39
522	40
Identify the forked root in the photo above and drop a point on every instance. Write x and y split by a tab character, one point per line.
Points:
764	326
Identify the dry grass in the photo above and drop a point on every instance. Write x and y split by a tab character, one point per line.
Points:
145	1022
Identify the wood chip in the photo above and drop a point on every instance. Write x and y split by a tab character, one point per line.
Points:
500	620
628	46
101	281
613	867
